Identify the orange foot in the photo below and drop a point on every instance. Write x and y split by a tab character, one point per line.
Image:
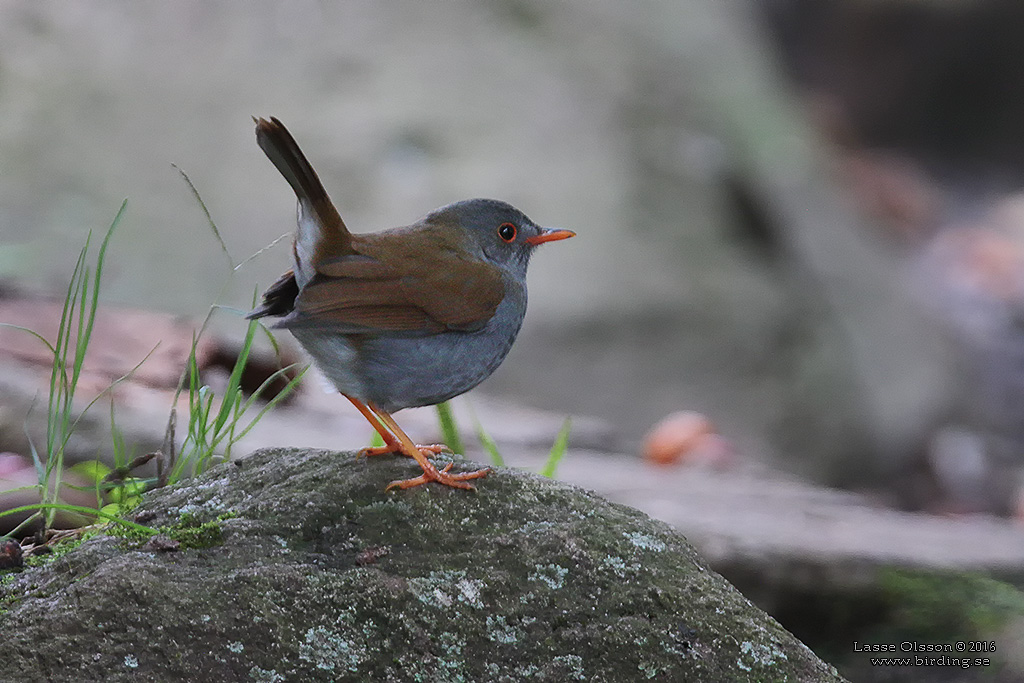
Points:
431	473
387	449
397	441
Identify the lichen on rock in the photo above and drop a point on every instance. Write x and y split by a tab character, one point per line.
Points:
319	575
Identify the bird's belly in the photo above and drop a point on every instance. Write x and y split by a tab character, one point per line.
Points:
336	357
396	372
405	372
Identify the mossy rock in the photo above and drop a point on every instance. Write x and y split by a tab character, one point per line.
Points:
318	574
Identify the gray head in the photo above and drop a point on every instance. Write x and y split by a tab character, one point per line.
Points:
501	233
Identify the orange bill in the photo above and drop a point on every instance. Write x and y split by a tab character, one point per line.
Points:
550	235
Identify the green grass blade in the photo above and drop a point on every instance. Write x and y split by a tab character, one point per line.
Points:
81	334
90	304
58	404
35	334
90	300
83	511
37	462
26	523
281	395
62	389
485	439
288	388
106	392
120	450
78	316
233	391
449	430
558	449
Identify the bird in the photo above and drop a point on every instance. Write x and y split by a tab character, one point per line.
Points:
404	317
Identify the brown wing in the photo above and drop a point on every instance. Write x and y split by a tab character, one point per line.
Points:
417	279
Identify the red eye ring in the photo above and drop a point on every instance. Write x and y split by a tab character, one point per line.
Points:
507	232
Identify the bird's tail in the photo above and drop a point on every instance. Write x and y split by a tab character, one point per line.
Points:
321	230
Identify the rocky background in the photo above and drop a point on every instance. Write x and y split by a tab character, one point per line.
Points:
798	221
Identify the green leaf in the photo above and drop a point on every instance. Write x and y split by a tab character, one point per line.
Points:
111	509
91	470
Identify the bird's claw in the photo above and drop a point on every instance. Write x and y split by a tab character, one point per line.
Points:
441	476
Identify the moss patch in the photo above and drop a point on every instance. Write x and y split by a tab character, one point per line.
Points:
192	533
7	597
934	606
189	530
59	549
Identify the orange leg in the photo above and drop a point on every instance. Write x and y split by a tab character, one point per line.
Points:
391	444
430	473
397	441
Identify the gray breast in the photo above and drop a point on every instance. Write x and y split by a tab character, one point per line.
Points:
405	372
396	372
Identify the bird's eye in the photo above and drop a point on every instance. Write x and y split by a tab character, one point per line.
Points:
507	232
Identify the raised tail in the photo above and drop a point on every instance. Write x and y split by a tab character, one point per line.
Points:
321	233
281	148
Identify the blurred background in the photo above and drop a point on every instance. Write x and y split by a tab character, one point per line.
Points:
799	221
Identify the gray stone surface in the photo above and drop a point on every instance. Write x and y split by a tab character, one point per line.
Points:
321	575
